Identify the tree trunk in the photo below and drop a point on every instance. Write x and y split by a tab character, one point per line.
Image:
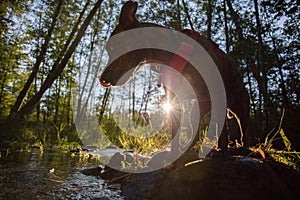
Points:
24	92
286	101
57	69
187	14
38	106
261	63
209	18
261	81
226	26
104	104
96	70
57	97
69	113
89	66
178	24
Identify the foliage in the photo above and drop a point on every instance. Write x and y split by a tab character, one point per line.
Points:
134	138
25	26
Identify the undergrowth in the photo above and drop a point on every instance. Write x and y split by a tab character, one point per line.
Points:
288	155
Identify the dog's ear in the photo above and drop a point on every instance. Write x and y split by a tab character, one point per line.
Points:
128	11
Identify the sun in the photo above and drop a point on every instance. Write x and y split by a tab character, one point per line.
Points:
167	106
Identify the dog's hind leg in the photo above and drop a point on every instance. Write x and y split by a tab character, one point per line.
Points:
222	150
241	111
223	139
244	115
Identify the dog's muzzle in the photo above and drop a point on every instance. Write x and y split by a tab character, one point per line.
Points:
103	82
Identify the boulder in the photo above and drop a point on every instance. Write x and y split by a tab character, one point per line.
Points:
233	178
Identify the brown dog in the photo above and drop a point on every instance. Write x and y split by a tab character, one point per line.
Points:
237	95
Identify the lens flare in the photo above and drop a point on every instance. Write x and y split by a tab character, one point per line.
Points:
167	106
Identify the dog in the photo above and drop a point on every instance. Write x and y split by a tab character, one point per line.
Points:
237	95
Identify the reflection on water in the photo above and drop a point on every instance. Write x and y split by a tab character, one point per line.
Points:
51	175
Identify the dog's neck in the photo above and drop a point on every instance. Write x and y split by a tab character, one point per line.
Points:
154	56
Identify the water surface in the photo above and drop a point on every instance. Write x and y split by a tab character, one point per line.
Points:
52	174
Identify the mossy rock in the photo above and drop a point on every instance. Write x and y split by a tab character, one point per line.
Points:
234	178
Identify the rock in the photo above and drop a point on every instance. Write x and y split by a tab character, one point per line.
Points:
114	169
139	186
240	151
113	175
76	150
118	160
120	165
229	177
95	171
234	178
160	160
112	147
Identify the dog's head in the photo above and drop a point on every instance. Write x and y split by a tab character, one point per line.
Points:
122	68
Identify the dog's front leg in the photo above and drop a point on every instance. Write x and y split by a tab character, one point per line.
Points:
175	116
198	112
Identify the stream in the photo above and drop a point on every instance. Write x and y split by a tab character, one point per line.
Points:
53	174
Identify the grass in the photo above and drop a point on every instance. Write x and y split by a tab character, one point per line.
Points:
57	135
145	144
287	156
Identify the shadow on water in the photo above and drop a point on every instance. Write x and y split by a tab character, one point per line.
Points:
51	175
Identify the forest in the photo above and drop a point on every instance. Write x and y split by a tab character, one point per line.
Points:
51	53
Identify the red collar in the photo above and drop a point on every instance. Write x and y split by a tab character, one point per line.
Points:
177	62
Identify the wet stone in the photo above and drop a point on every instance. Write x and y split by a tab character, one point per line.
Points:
234	178
94	171
139	186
